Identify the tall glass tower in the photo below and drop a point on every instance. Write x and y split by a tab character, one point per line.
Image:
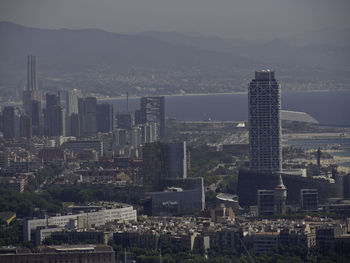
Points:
153	111
265	122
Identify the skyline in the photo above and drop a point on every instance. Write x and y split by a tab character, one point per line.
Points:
144	136
253	20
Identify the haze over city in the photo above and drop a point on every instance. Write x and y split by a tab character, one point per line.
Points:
247	19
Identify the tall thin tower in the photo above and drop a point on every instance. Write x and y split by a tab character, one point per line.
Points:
265	122
31	75
280	197
32	97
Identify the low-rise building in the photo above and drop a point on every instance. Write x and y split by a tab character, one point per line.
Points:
101	216
13	183
61	254
79	147
265	241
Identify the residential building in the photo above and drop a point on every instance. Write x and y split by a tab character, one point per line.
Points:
80	146
64	253
265	241
99	217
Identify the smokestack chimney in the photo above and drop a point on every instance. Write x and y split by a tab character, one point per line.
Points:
31	72
28	73
34	80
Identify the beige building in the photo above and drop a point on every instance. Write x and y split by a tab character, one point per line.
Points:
61	254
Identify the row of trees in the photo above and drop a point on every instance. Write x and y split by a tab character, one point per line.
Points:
84	194
171	253
24	204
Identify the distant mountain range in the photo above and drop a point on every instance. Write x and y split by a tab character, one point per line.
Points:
326	49
93	57
93	46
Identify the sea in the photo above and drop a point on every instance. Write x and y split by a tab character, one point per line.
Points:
328	107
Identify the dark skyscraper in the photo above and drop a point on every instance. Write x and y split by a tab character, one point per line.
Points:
52	100
125	120
74	126
87	115
104	117
153	165
25	126
265	122
55	121
54	116
153	110
11	122
176	160
37	117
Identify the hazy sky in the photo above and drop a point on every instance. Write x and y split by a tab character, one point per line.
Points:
251	19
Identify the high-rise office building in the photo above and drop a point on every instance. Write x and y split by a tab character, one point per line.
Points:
53	100
72	97
153	165
104	117
37	116
87	115
176	160
265	122
25	126
137	117
74	127
153	110
11	123
125	120
161	161
72	101
55	121
54	116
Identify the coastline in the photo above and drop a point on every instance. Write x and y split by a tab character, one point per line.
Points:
177	95
212	94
